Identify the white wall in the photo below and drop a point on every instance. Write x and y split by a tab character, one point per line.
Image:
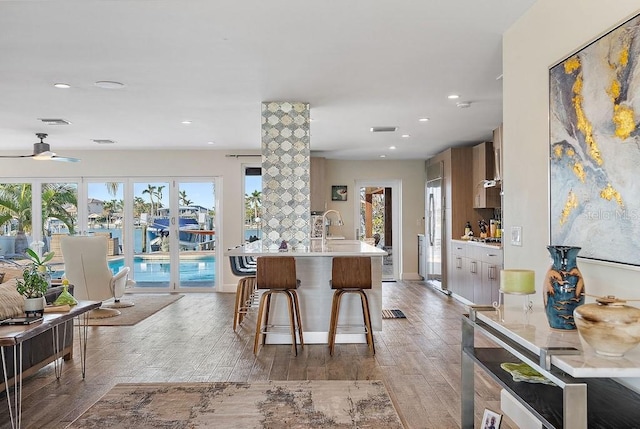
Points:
410	173
549	32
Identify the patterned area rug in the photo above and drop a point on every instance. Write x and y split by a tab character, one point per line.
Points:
145	306
393	314
269	404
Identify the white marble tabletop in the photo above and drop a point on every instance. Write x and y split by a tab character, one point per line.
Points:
533	332
317	248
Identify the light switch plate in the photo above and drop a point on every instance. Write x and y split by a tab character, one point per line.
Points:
516	236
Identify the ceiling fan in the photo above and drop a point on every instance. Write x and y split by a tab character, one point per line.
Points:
42	152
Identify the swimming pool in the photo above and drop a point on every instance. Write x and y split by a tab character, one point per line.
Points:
155	272
195	271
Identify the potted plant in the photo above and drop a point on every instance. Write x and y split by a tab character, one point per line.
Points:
34	282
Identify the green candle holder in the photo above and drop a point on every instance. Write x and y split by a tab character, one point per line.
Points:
65	297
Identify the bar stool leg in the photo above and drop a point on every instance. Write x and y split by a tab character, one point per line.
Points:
332	321
243	292
367	320
296	303
292	324
267	309
337	298
263	300
236	310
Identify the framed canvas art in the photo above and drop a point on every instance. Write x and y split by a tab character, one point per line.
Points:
594	149
338	193
490	420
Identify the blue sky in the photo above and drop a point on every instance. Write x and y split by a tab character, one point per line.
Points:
200	193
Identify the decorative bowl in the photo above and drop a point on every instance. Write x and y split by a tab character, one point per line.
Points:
609	326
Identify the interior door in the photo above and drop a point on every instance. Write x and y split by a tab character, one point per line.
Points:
378	222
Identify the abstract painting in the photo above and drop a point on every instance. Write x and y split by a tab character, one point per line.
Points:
594	154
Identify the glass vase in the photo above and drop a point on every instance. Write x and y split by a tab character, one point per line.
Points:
563	288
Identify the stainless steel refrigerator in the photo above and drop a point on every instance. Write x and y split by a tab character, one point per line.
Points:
435	233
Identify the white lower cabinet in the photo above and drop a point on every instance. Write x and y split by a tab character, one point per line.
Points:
475	271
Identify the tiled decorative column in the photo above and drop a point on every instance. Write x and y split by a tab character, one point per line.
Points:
285	174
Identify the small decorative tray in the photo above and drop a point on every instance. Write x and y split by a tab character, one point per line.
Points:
523	372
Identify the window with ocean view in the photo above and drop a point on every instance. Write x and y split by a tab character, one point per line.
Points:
252	204
163	228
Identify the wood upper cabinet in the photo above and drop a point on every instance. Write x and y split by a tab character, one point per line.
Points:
483	169
318	190
457	189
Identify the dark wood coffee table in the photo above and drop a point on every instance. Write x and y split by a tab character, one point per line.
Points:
12	338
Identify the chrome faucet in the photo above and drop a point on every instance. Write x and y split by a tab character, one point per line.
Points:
325	227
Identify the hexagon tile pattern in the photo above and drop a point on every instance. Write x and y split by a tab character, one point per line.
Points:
285	174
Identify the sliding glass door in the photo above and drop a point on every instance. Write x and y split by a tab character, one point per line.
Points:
174	245
196	234
164	229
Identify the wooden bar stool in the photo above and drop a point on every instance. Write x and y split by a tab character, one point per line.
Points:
350	274
245	291
277	274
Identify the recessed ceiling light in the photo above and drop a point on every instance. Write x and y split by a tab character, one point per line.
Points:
186	122
383	156
383	129
210	143
62	85
463	104
453	97
405	136
392	147
54	121
109	84
423	119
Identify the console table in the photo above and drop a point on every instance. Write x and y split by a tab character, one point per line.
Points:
584	394
12	338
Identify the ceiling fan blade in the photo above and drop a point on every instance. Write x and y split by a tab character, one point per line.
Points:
16	156
42	152
63	159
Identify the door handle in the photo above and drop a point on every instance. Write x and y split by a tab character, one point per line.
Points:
431	222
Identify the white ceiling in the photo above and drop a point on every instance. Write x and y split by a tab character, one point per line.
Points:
359	63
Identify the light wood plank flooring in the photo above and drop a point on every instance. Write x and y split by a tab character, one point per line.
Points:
192	340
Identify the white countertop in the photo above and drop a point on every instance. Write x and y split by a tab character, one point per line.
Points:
478	243
331	248
535	334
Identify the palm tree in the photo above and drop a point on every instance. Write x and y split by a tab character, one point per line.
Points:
152	191
15	203
108	208
112	188
140	206
57	202
184	200
159	195
255	202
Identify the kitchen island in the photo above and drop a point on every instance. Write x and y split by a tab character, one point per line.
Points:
313	269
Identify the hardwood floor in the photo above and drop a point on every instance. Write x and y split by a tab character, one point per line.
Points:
418	358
